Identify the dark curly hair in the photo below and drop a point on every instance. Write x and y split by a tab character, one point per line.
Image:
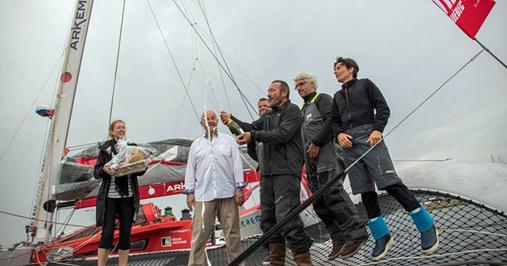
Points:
348	63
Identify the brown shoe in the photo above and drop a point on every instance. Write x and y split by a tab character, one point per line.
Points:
276	254
351	248
337	247
303	258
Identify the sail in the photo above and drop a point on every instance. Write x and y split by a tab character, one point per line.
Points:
61	119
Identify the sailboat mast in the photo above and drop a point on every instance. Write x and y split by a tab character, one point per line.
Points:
51	167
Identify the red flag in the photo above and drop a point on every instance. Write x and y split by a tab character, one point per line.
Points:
467	14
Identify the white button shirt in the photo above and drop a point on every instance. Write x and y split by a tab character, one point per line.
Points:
214	168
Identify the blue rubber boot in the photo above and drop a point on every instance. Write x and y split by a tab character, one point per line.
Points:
383	240
429	233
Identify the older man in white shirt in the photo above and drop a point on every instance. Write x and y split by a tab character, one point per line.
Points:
214	186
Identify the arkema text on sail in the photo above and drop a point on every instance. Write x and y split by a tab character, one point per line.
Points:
77	27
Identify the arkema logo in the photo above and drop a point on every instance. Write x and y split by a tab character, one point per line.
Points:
77	28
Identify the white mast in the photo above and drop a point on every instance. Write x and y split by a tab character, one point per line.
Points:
61	120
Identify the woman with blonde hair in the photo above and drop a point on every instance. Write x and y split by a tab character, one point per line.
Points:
118	197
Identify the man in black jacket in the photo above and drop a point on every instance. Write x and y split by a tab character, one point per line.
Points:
280	132
254	148
358	117
335	208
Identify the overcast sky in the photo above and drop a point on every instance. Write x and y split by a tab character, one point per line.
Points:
408	48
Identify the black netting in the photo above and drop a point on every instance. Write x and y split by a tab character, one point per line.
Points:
470	233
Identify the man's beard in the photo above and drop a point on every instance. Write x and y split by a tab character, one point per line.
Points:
274	102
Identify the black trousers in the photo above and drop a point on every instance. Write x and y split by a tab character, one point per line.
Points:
335	208
399	191
279	195
122	208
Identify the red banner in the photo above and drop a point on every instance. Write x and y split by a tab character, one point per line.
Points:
467	14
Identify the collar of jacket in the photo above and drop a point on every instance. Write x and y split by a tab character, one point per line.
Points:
281	107
310	98
349	83
109	144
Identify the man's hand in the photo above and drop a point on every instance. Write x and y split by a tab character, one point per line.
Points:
239	197
313	151
344	140
190	201
375	137
225	117
244	138
108	170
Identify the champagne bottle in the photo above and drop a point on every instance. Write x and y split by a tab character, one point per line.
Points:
235	128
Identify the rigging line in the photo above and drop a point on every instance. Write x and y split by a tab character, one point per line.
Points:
66	221
189	12
228	71
212	35
183	100
491	53
31	107
38	220
210	85
91	116
433	93
225	89
215	47
238	69
214	39
117	60
203	9
78	247
243	97
173	61
77	147
445	12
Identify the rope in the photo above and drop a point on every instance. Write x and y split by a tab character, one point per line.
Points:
210	86
215	47
175	127
30	108
39	220
433	93
491	53
117	60
81	146
173	61
67	220
243	97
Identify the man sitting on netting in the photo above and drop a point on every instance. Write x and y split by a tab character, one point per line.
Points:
358	117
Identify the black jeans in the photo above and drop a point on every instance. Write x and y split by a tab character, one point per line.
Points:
279	195
335	208
122	208
399	191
